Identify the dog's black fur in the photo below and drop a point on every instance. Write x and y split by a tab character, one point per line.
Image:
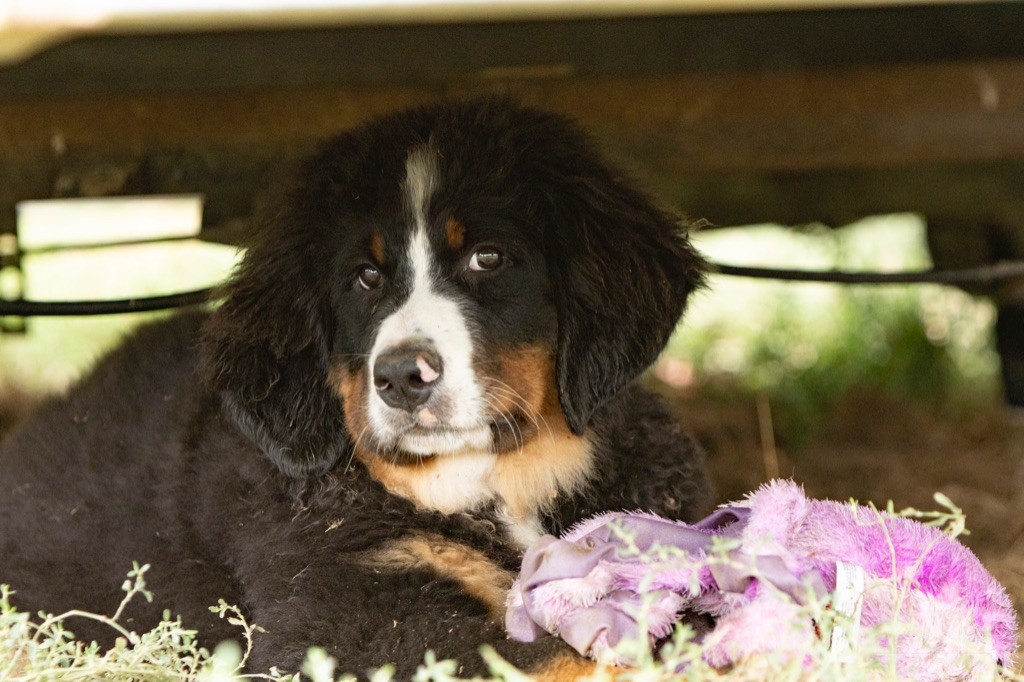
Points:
214	447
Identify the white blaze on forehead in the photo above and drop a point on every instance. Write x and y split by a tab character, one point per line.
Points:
420	183
428	316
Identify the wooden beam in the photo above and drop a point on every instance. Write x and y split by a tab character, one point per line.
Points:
437	54
689	130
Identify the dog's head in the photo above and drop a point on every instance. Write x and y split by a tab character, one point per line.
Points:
442	280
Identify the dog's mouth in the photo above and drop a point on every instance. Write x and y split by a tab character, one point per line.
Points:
498	434
442	440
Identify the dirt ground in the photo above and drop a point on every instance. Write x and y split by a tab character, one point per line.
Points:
873	447
14	406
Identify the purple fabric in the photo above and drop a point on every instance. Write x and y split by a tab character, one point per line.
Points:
589	586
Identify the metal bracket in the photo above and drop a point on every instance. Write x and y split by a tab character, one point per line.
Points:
12	276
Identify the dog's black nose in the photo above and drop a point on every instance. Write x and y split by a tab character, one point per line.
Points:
404	377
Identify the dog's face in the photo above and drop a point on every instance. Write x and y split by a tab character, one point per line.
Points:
446	280
445	323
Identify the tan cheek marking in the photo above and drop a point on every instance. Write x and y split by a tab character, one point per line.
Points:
523	370
555	460
470	568
377	248
352	388
455	231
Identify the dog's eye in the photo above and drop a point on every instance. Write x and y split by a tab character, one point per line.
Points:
370	277
486	259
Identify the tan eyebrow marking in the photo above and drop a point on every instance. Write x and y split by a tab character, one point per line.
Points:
377	247
456	233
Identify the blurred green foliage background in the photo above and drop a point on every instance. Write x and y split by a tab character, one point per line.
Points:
805	345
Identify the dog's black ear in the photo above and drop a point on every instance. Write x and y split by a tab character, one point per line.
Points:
622	272
265	349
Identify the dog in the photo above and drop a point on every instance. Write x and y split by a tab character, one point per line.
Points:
426	359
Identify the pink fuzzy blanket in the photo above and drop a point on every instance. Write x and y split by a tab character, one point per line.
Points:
777	549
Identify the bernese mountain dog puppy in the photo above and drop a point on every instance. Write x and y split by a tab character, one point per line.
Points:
425	361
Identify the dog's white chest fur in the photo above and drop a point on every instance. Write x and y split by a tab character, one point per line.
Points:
456	483
466	482
521	484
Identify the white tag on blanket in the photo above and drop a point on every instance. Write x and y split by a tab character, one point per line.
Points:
848	601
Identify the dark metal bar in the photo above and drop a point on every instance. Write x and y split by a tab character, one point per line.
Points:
980	275
128	305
